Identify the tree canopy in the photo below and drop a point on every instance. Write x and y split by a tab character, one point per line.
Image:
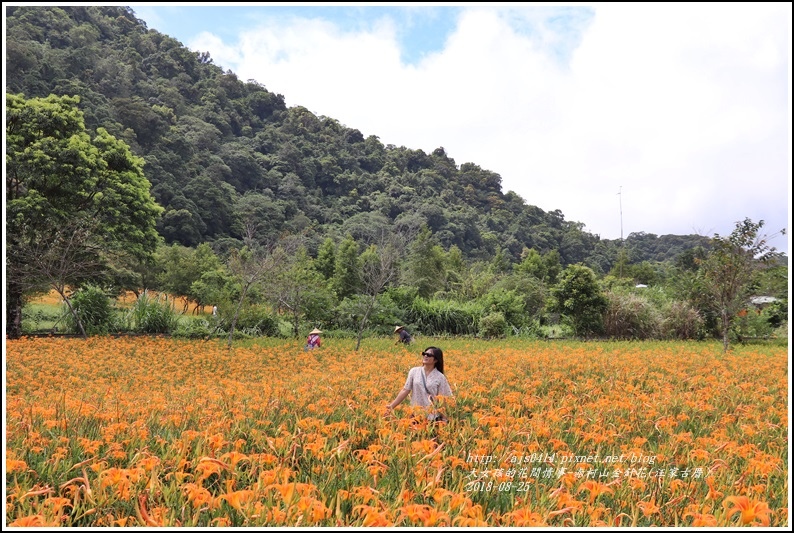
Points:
73	202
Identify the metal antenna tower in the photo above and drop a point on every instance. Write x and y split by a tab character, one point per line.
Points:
620	190
622	244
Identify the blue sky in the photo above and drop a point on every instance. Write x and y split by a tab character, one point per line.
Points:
685	109
419	30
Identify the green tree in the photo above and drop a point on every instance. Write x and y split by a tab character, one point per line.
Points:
63	186
296	286
727	272
248	268
531	264
182	267
326	258
426	265
544	267
211	288
500	264
347	270
378	269
578	298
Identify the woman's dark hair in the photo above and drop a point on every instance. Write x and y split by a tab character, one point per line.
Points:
438	355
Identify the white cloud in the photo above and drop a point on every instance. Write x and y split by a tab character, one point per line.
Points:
684	106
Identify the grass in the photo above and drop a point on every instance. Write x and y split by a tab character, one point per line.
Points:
42	317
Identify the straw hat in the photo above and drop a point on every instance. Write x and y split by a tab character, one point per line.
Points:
315	330
398	328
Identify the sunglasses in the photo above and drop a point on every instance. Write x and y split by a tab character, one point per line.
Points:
426	354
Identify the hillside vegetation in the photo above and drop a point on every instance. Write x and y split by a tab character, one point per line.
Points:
135	164
227	158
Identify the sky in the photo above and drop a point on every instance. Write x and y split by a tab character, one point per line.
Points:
654	118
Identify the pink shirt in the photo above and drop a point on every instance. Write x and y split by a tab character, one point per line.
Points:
313	341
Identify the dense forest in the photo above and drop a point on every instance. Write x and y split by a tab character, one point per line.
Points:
226	157
230	164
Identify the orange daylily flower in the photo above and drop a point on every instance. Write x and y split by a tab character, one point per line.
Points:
648	508
523	517
373	517
750	510
701	519
471	517
595	489
35	520
238	499
198	495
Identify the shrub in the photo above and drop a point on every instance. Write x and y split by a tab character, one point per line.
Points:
196	329
508	303
579	300
440	317
381	320
37	319
751	324
681	321
153	315
253	320
95	309
630	316
777	313
493	325
533	330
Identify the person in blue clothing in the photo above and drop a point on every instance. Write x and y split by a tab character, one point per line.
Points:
403	336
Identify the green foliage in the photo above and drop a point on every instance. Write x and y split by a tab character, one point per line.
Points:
751	324
776	313
192	273
507	303
443	317
196	329
347	269
493	325
153	315
95	309
255	320
71	201
682	321
40	318
212	287
426	265
325	263
579	299
631	316
727	272
382	317
299	290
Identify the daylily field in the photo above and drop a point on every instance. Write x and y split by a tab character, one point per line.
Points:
164	432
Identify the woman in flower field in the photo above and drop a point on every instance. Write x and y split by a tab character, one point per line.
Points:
425	382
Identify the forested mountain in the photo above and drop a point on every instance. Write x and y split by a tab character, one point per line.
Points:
227	159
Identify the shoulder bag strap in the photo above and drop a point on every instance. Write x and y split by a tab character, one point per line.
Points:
424	382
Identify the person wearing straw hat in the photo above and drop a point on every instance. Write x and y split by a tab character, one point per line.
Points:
403	336
313	340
